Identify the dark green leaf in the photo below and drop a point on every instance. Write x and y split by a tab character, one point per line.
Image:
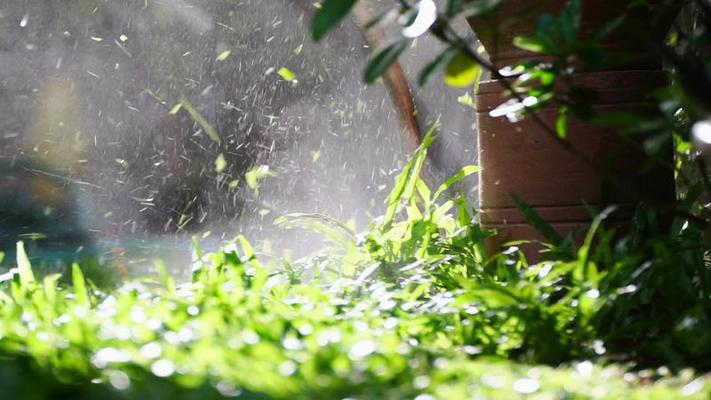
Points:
376	20
453	7
408	17
381	61
479	7
570	20
561	123
439	63
537	222
609	27
329	15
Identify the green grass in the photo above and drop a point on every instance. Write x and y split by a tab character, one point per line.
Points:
242	329
412	308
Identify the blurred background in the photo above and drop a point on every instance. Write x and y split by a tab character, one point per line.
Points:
127	127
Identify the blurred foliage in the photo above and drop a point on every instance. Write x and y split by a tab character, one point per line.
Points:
559	50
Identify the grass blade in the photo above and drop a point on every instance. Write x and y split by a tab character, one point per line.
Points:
24	266
537	222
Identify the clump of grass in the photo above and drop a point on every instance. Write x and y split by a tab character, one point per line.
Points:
240	328
412	308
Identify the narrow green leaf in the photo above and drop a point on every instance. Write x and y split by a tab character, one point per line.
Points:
197	117
424	191
561	122
479	8
378	18
609	27
407	180
329	15
49	284
569	21
436	65
464	217
164	276
246	247
23	265
381	60
573	13
79	283
463	173
584	251
329	227
537	222
453	7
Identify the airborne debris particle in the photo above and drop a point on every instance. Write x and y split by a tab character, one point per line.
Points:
220	163
287	74
224	55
